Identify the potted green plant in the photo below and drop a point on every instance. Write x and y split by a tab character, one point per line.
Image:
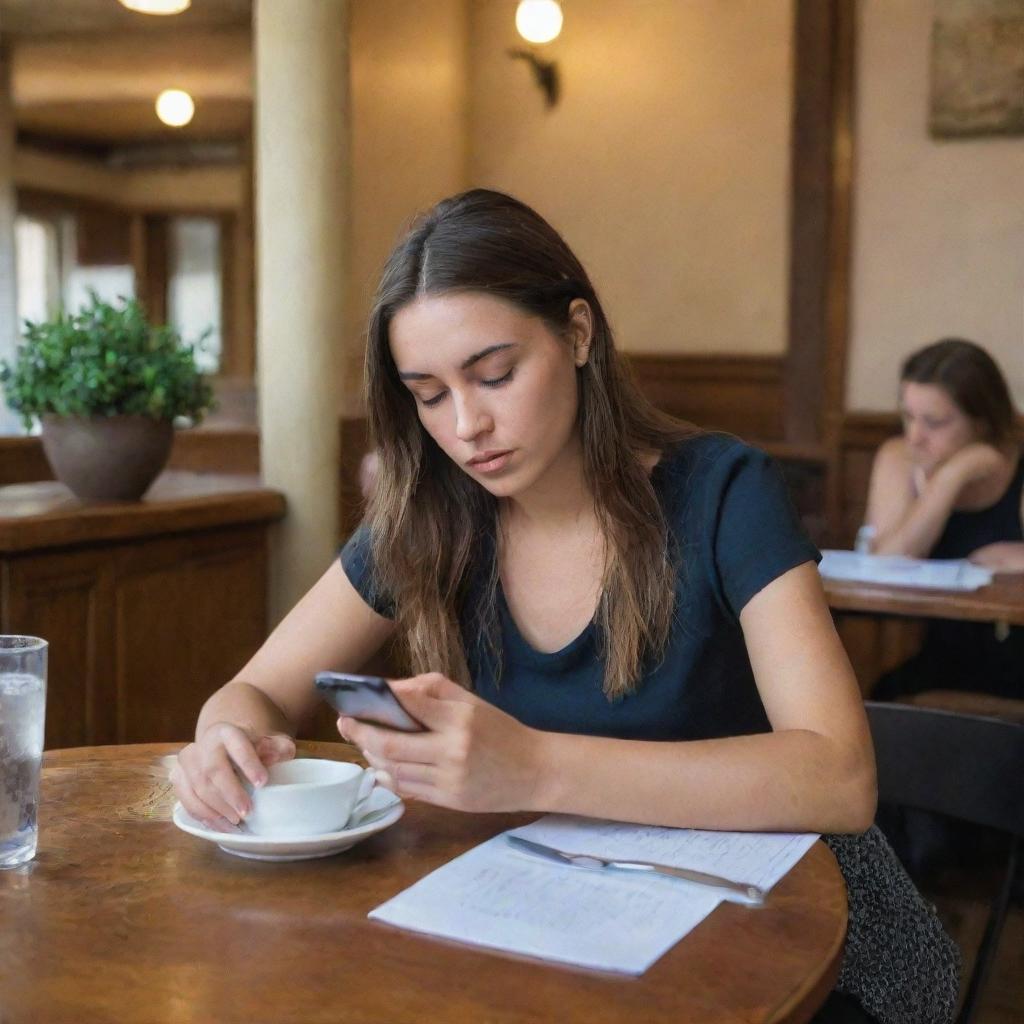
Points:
107	387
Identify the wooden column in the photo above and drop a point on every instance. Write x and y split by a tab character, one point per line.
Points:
822	159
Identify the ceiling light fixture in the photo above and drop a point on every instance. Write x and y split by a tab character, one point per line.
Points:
175	107
157	6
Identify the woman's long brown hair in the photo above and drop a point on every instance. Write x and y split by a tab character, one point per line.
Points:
433	529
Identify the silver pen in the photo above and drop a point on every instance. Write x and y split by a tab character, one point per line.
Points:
751	893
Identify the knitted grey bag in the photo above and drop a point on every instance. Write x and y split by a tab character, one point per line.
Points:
899	963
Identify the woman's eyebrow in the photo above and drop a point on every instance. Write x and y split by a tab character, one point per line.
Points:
466	363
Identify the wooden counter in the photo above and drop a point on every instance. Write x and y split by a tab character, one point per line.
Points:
148	606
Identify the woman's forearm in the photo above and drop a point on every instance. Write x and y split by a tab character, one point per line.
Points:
1011	557
791	781
916	534
245	705
1002	556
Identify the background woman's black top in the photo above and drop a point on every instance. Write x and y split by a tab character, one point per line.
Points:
977	656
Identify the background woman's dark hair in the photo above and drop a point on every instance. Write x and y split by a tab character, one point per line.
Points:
972	378
431	524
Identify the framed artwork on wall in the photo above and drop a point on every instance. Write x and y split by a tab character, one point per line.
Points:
977	68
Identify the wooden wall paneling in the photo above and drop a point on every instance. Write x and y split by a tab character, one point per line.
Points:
189	612
355	442
63	597
737	393
216	450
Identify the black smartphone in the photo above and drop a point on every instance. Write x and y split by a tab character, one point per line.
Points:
368	698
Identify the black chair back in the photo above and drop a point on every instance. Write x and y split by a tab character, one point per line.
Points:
967	767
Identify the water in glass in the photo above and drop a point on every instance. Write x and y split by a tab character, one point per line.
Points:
22	709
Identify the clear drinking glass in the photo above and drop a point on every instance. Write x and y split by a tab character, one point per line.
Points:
22	711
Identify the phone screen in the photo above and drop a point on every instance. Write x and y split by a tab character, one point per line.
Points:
368	698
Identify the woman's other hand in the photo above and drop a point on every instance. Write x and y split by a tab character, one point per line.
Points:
1003	556
472	756
208	775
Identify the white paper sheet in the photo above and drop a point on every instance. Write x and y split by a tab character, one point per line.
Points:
502	898
933	573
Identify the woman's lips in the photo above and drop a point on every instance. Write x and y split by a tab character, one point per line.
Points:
489	462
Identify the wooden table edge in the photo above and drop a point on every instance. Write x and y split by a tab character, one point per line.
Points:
805	1001
918	602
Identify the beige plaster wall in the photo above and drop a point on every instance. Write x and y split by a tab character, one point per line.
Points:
665	165
938	225
408	82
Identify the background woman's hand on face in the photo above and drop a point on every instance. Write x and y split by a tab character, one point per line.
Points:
208	774
472	757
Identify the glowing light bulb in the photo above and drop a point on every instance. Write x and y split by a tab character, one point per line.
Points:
157	6
539	21
175	107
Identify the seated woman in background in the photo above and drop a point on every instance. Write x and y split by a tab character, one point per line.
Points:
953	487
608	612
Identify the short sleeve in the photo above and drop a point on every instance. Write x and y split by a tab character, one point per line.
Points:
357	561
757	535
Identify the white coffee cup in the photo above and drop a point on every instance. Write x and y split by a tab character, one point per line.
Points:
309	796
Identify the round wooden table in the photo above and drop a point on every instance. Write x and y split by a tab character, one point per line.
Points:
122	917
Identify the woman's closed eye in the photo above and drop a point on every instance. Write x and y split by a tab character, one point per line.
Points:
496	382
487	382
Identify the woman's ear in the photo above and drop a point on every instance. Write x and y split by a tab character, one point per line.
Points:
581	330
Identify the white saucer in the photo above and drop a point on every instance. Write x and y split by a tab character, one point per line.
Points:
383	810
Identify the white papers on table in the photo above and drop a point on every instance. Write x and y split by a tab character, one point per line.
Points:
500	897
933	573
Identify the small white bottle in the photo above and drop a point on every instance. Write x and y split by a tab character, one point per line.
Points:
865	537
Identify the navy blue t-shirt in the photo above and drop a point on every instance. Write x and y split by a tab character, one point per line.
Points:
734	531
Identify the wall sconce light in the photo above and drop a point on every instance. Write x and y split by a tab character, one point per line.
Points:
539	21
175	107
163	7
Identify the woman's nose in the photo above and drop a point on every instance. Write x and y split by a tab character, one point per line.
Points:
470	420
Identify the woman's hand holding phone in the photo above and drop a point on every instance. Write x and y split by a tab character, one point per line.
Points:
208	775
471	756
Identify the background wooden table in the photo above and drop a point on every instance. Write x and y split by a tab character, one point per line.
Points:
123	917
881	625
1001	601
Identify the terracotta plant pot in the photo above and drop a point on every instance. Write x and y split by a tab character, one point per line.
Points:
112	458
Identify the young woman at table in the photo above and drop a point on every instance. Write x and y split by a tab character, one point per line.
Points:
953	487
607	612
